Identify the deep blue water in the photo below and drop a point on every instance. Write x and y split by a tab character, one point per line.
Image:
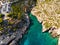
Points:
35	36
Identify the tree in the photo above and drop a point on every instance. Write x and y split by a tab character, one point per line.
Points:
1	28
19	15
1	15
10	15
1	20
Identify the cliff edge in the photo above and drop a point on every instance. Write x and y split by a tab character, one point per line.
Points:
48	12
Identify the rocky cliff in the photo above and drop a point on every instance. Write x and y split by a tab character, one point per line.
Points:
48	12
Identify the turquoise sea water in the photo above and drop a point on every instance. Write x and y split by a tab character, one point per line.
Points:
35	36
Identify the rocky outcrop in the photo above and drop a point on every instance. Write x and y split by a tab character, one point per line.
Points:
14	38
46	13
19	34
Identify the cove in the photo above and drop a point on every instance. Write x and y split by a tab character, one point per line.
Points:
35	36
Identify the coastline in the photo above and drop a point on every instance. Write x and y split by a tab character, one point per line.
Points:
35	36
53	30
14	38
50	29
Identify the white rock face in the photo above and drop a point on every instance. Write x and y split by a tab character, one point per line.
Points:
5	8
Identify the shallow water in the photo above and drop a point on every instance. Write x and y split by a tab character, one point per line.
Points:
35	35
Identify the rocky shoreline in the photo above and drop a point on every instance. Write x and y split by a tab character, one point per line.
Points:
50	22
53	30
49	17
14	38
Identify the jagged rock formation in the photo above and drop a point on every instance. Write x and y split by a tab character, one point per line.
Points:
48	12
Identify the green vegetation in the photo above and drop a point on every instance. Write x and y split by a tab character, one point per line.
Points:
47	1
11	23
14	29
16	12
14	17
47	25
1	28
57	11
0	15
1	20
